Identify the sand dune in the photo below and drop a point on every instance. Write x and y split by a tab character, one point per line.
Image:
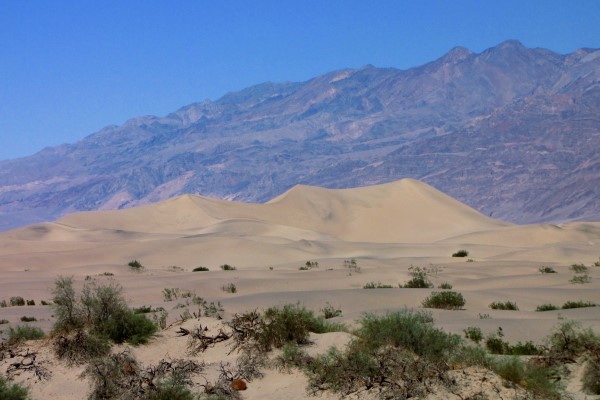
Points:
386	228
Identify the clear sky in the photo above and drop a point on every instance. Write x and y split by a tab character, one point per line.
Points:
69	68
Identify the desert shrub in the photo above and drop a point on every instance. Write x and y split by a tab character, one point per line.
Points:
28	319
352	265
546	307
496	345
535	379
69	313
292	355
200	269
597	263
80	347
445	300
377	285
17	301
3	321
12	391
135	265
398	354
507	305
309	265
591	375
445	285
129	327
213	310
142	310
107	274
171	391
419	278
569	340
524	349
579	268
473	333
460	253
21	333
170	294
31	302
45	303
3	304
581	279
229	288
577	304
227	267
330	311
547	270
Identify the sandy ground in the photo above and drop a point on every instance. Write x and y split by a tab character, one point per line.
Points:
386	228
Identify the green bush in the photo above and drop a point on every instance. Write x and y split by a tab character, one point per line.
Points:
200	269
229	288
507	305
21	333
330	312
579	268
227	267
445	285
591	375
581	279
473	333
28	319
547	270
45	303
135	265
126	326
31	302
546	307
378	285
445	300
12	391
536	379
3	304
460	253
419	279
17	301
577	304
80	347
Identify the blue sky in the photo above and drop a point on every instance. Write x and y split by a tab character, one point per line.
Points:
69	68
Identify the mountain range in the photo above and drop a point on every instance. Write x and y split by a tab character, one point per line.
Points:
513	132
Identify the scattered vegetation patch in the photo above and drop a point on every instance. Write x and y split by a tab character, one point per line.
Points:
28	319
546	307
507	305
473	333
581	279
135	265
31	302
447	300
13	391
170	294
377	285
597	263
419	278
330	311
577	304
200	269
3	304
229	288
460	253
579	268
547	270
21	333
309	265
352	265
445	286
17	301
227	267
3	321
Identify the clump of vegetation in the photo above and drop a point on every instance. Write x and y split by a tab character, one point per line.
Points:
21	333
547	270
581	279
12	391
460	253
579	268
546	307
445	285
17	301
473	333
597	263
101	310
352	266
28	319
577	304
3	321
447	300
200	269
227	267
330	311
377	285
309	265
31	302
135	265
170	294
229	288
496	345
3	304
507	305
419	279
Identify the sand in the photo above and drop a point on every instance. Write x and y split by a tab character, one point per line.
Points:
386	228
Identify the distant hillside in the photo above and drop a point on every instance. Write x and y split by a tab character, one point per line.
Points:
513	132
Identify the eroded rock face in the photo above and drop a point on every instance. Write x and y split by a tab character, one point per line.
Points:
512	131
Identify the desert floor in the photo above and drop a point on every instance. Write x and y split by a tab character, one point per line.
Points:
385	228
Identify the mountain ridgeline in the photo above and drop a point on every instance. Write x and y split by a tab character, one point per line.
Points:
513	132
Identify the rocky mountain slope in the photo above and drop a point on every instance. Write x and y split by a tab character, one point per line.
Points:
513	132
